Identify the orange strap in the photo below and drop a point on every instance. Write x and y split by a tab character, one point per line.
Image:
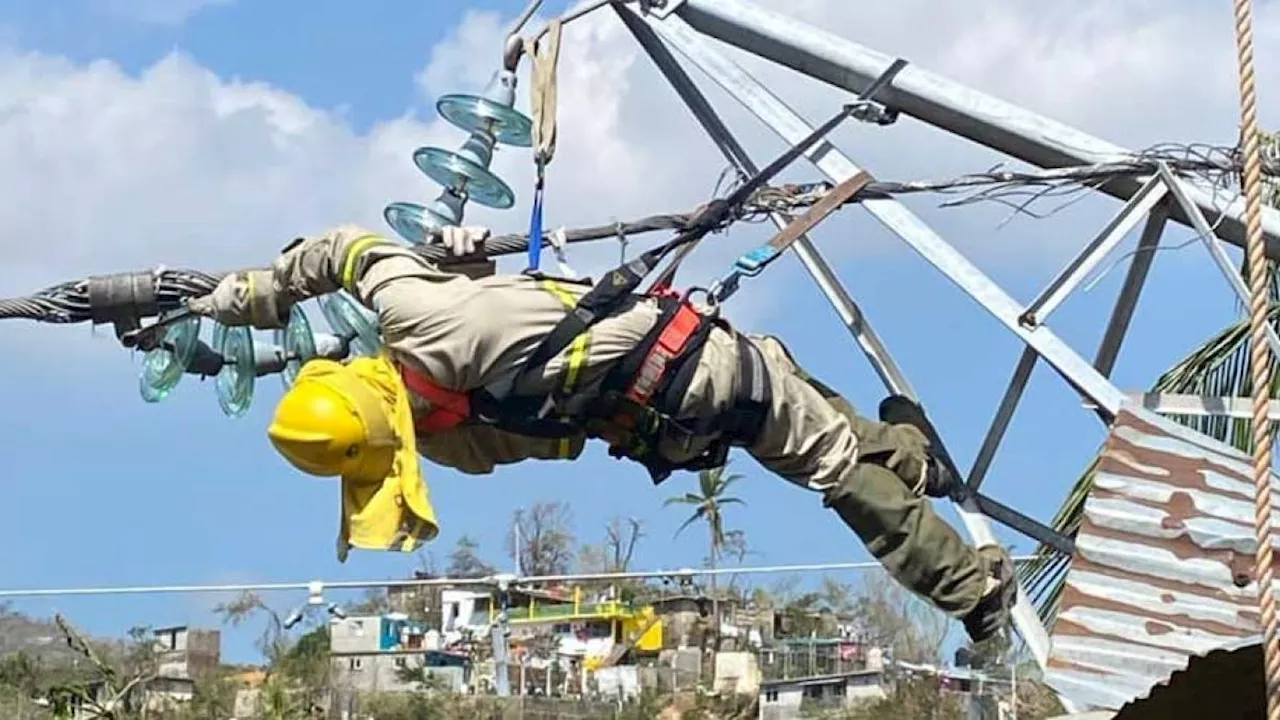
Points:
670	343
449	408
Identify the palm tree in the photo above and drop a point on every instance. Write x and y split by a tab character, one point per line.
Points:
1218	367
708	505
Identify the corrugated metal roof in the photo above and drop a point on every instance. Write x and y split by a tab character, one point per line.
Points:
1164	564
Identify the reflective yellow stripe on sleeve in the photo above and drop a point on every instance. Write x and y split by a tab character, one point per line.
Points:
357	248
249	289
577	356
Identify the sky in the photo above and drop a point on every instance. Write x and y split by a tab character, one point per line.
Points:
207	133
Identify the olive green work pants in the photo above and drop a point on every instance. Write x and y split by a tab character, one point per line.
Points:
814	437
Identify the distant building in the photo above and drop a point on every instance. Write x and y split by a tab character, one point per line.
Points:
827	672
184	656
187	653
370	653
781	699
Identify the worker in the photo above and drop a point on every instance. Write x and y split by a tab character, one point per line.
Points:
662	380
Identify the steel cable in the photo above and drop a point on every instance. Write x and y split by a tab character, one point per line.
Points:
69	302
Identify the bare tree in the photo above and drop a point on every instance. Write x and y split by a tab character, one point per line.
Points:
546	543
621	537
120	684
297	672
891	616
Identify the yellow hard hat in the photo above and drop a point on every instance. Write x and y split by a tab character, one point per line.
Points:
331	422
353	420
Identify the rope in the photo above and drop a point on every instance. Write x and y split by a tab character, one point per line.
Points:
1260	352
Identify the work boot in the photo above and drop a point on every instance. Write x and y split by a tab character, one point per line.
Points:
938	481
991	614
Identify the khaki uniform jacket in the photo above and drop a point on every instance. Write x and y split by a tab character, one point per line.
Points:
471	333
464	333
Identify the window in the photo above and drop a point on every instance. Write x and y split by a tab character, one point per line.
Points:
401	662
355	664
771	696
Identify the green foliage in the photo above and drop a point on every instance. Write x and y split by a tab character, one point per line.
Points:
306	662
720	707
374	602
430	706
708	505
297	672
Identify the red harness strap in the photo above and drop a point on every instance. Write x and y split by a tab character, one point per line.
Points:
671	342
449	408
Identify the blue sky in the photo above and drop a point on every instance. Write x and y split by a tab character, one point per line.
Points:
105	490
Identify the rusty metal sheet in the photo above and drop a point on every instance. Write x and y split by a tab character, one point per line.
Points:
1164	563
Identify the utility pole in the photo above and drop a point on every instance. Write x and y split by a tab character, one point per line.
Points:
499	633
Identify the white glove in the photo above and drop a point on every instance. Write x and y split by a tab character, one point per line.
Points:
463	240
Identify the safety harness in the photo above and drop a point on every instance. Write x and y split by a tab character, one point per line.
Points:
636	406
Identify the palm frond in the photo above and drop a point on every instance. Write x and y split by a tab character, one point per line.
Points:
697	515
708	480
727	480
686	499
1042	577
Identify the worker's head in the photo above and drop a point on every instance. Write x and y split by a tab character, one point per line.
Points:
332	421
353	420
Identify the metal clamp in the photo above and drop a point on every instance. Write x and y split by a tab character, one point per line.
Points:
867	109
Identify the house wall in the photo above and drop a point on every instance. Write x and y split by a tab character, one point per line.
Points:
737	672
248	703
617	682
781	704
373	672
356	634
862	688
204	651
184	653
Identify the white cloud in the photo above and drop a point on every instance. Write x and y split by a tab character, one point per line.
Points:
103	170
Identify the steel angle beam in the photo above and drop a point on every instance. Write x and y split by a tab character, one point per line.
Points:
1209	237
945	104
1082	264
850	314
1134	279
791	127
1004	414
896	217
1201	405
